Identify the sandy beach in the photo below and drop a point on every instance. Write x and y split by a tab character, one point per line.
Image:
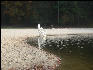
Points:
16	54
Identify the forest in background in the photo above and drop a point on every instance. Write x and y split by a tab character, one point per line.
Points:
47	13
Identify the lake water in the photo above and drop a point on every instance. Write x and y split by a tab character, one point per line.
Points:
75	50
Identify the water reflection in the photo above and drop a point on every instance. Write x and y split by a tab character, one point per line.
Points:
76	51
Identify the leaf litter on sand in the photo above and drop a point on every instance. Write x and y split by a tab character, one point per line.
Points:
16	54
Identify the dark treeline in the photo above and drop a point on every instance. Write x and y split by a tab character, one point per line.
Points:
47	13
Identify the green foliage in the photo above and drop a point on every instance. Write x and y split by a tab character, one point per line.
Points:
71	13
17	8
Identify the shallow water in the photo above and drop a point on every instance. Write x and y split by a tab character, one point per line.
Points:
75	50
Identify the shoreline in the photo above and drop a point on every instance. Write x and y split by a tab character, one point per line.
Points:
16	54
20	54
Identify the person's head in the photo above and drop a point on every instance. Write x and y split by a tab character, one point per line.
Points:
38	25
